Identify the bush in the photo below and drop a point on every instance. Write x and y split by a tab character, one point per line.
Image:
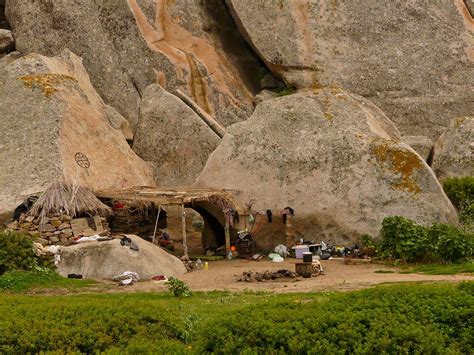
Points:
390	320
452	244
16	252
460	191
404	239
430	319
370	247
178	288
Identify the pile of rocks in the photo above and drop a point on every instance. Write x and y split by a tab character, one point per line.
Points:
250	276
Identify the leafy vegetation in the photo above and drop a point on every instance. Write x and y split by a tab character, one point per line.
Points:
440	269
421	318
460	191
286	90
16	252
177	287
17	281
410	242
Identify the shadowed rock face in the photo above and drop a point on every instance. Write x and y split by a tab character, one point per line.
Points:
173	138
453	153
54	125
413	59
332	156
128	45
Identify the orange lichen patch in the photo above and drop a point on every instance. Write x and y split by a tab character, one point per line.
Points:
400	161
459	121
46	82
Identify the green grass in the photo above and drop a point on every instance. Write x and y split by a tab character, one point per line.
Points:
421	318
18	281
440	269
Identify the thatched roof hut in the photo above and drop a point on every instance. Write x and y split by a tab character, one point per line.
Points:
69	199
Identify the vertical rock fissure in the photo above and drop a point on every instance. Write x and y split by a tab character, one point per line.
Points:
249	64
3	18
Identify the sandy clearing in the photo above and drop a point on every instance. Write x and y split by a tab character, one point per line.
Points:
222	275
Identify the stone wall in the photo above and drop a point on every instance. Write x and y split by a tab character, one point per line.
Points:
54	229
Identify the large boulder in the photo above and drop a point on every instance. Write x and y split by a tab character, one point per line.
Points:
332	156
55	125
453	154
173	138
413	59
105	260
128	45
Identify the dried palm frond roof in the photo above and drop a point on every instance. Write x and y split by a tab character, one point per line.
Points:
187	196
66	198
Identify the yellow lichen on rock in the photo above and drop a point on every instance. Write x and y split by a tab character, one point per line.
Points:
400	161
46	82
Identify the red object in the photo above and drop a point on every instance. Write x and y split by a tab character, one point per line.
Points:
118	205
159	278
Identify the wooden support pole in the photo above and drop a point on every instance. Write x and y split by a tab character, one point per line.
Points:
227	236
183	226
289	232
156	223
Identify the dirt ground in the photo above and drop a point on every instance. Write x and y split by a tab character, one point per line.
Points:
222	275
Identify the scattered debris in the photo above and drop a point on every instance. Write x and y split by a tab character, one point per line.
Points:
282	250
250	276
74	276
127	278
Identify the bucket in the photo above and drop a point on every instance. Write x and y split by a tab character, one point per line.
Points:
307	257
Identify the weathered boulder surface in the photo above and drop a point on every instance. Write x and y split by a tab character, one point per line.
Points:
413	59
105	260
420	144
54	125
173	138
453	153
332	156
128	45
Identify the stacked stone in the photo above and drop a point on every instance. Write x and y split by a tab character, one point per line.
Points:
53	229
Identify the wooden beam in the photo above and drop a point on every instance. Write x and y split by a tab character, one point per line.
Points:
208	119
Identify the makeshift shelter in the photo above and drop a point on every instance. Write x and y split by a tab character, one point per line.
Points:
220	209
64	211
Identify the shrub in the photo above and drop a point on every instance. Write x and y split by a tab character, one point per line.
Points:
420	318
178	288
286	90
452	244
460	191
387	320
369	245
404	239
16	252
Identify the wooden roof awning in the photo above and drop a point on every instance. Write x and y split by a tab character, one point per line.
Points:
179	196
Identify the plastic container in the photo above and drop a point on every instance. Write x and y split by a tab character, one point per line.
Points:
299	250
198	264
308	257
